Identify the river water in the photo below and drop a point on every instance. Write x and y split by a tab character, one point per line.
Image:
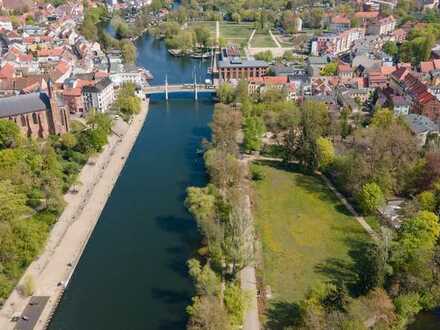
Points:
133	272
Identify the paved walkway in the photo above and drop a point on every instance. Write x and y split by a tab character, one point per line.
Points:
249	284
70	234
248	279
275	40
251	37
217	32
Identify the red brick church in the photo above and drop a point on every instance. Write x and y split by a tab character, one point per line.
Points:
36	114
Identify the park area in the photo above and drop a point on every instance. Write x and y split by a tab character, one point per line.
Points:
307	237
232	33
262	40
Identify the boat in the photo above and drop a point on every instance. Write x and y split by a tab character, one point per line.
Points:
200	55
176	52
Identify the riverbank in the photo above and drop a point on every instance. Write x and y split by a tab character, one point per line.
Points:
70	234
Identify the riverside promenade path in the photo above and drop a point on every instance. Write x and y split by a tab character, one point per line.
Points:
70	234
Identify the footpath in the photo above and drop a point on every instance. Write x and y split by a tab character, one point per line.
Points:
52	270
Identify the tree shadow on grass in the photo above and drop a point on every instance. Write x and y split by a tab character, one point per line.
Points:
345	272
281	315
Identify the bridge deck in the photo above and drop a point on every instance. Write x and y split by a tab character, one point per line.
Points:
178	88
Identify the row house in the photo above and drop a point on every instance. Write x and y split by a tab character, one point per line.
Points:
99	96
22	85
5	23
339	23
366	17
333	44
422	101
344	71
260	85
382	26
130	74
74	100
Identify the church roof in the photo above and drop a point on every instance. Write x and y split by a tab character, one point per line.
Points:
21	104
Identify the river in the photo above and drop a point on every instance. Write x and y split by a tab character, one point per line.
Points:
133	272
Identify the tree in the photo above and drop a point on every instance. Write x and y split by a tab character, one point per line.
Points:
9	134
207	313
407	306
413	250
201	203
427	201
123	30
430	172
253	132
127	102
236	17
372	267
329	69
390	47
92	140
289	21
129	52
383	118
235	304
203	35
88	28
371	197
225	125
224	169
206	281
375	309
301	139
68	140
225	93
12	202
264	56
326	152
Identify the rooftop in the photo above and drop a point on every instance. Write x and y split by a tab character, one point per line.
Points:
242	63
21	104
420	124
98	87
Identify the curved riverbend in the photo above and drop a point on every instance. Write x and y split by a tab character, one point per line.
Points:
132	274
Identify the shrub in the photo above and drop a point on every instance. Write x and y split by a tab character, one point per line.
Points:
371	197
28	286
257	173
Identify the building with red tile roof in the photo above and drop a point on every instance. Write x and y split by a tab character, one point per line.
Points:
7	71
407	84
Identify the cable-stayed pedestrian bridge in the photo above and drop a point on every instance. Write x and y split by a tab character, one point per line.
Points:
179	88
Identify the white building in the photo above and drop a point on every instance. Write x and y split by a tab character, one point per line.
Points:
130	74
100	96
382	26
5	23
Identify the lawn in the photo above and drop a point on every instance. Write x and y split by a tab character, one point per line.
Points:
262	40
235	33
307	235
